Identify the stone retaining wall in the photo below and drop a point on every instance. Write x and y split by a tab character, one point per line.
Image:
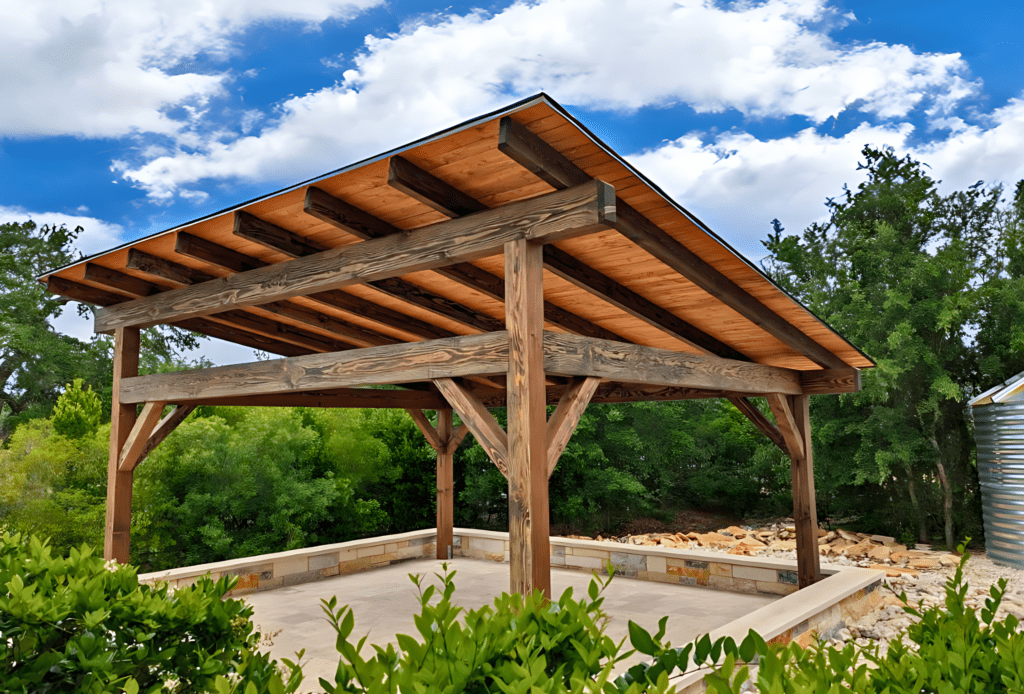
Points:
688	567
304	565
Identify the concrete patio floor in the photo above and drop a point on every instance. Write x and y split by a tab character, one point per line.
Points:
385	600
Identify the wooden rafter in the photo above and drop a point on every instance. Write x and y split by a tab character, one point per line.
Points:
289	243
102	297
335	398
547	218
349	218
529	150
220	256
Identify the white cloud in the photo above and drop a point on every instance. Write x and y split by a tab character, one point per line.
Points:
97	235
737	184
108	68
769	59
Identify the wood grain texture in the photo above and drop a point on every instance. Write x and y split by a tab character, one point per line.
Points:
570	212
763	424
529	150
355	221
429	189
252	228
612	392
572	270
566	417
168	424
81	292
221	256
785	418
426	428
457	436
830	381
474	415
445	484
336	398
805	514
115	279
165	269
528	510
139	435
573	355
390	364
117	527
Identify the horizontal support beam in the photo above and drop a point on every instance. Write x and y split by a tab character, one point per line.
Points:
471	355
572	355
562	214
827	381
358	398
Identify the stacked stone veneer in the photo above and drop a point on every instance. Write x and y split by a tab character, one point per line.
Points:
304	565
686	567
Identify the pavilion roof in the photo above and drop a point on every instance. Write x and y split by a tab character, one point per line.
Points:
692	293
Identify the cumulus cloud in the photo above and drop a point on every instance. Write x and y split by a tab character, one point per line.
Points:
770	59
737	183
108	68
97	235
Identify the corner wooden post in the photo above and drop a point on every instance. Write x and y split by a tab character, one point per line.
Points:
445	502
805	512
792	413
529	542
117	531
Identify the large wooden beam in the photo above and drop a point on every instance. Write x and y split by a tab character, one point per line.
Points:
475	416
220	256
566	416
793	415
401	363
351	219
131	452
763	424
557	215
572	355
618	393
528	511
359	398
830	381
529	150
117	529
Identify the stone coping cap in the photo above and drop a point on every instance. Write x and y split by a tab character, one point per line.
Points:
787	612
220	566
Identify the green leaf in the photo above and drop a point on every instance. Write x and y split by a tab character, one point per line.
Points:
641	639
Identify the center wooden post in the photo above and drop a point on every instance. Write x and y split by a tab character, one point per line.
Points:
528	521
117	531
805	512
445	485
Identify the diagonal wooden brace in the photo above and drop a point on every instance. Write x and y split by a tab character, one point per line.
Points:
139	436
566	416
475	416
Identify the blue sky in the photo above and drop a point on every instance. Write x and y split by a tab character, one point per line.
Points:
131	116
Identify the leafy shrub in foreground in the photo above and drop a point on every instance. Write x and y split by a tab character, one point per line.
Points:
76	625
950	649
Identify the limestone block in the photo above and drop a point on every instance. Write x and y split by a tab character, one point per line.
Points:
371	551
721	582
657	576
743	585
718	569
322	561
754	573
775	588
587	552
291	565
585	562
657	565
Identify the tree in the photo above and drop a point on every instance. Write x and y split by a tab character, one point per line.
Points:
35	360
899	269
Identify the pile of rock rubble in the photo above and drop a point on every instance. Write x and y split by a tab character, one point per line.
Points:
920	572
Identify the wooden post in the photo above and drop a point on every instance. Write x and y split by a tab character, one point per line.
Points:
445	502
805	512
529	542
792	413
117	532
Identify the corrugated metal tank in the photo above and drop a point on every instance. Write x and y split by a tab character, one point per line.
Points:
999	434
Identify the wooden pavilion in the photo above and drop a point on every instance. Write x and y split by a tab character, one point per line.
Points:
513	260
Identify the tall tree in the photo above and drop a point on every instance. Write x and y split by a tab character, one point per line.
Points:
898	270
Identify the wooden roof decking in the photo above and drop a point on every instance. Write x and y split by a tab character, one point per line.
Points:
633	296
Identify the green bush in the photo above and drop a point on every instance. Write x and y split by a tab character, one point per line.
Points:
950	649
77	412
77	624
